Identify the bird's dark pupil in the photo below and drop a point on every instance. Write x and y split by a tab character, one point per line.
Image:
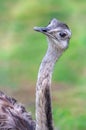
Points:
62	34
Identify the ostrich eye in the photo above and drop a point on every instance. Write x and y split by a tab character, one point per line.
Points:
62	34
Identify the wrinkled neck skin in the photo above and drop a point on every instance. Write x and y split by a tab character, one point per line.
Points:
43	96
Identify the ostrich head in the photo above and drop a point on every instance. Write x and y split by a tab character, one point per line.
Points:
58	33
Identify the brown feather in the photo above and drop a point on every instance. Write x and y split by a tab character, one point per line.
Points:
13	115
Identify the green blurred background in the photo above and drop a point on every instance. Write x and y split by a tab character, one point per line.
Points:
22	49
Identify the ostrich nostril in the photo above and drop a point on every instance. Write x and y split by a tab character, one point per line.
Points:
44	29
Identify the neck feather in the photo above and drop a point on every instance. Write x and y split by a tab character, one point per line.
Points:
43	95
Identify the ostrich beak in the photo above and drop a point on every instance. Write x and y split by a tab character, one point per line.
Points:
41	29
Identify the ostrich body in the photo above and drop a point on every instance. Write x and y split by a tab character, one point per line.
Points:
13	115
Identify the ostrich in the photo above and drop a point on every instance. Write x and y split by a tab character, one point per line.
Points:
13	115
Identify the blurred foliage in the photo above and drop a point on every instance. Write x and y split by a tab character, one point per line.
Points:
21	49
70	108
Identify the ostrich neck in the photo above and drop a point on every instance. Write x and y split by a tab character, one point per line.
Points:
43	96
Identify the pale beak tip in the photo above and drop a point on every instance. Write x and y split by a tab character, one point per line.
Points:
37	29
